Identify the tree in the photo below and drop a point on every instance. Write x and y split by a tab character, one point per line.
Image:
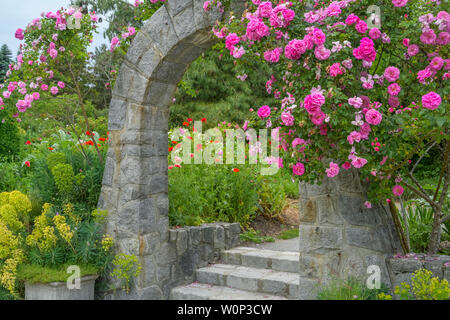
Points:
5	60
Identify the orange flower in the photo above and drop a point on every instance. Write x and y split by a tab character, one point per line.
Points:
185	123
50	148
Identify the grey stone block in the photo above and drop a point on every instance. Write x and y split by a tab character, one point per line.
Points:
59	290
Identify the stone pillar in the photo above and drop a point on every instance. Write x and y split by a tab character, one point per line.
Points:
339	236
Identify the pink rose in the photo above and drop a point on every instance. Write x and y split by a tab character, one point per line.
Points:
391	74
397	190
431	100
399	3
394	89
264	112
373	117
298	169
333	170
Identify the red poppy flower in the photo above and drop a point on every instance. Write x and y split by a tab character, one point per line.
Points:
170	149
88	133
174	142
185	123
203	119
236	170
27	163
102	139
89	143
50	148
189	119
28	142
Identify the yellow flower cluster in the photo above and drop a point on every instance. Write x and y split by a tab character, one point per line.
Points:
383	296
20	202
14	209
100	215
43	234
69	212
8	274
9	242
9	216
63	228
107	243
427	288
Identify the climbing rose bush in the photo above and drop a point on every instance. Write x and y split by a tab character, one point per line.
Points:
354	89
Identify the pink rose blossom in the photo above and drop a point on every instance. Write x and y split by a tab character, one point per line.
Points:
397	190
413	50
391	74
298	169
375	33
394	89
399	3
264	112
373	117
333	170
431	100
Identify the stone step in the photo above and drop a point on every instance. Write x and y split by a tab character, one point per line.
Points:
262	259
251	279
201	291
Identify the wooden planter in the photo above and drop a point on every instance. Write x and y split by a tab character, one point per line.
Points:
59	290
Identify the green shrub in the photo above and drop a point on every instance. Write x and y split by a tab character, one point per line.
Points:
349	289
289	234
10	140
424	287
208	193
272	197
255	236
419	217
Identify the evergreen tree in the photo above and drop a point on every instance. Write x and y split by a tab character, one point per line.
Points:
5	60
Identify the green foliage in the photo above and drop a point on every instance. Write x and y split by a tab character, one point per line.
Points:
255	236
64	177
424	287
39	274
127	267
289	234
5	60
210	89
420	220
272	197
349	289
208	193
9	139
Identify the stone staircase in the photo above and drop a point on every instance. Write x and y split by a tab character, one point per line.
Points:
245	274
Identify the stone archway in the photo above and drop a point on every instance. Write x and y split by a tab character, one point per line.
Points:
135	182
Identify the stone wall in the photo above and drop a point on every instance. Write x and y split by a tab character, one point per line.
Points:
339	236
401	268
188	249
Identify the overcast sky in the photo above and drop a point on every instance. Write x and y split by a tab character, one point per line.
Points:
17	14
